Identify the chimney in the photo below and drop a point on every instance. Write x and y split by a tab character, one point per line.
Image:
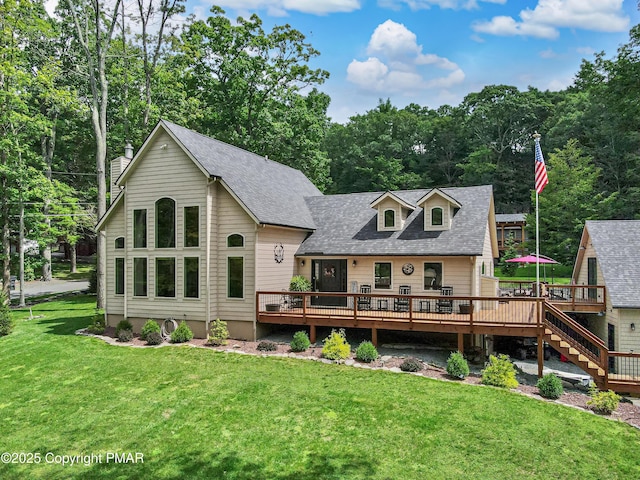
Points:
118	166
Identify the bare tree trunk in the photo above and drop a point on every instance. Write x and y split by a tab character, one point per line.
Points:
21	249
5	253
74	258
47	144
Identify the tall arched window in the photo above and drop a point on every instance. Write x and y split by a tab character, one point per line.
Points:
436	216
389	218
165	223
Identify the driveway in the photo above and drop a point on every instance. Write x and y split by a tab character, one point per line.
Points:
37	288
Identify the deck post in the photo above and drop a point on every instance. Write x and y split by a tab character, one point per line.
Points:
374	336
461	342
312	333
540	354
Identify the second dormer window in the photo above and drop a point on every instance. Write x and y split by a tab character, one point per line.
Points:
436	216
389	219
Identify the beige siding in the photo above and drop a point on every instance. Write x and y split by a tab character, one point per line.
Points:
165	171
456	272
390	204
232	219
115	229
277	276
485	260
628	339
582	279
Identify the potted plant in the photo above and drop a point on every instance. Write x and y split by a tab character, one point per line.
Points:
466	308
298	284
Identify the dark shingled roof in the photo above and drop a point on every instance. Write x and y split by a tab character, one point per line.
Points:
274	193
346	225
617	243
510	217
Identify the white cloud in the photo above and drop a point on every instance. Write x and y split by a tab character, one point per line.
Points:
549	15
415	5
397	64
281	7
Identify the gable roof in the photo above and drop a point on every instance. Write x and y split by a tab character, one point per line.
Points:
272	193
346	225
396	198
510	217
440	193
617	243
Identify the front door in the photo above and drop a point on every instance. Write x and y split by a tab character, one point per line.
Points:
329	276
592	277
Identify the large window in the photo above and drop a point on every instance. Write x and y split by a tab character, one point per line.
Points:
166	277
382	273
119	276
139	229
191	226
389	218
235	277
432	276
165	223
436	216
191	277
235	240
139	277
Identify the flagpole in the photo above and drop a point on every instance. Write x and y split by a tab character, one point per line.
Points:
537	250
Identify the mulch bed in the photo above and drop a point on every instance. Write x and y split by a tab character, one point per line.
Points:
626	412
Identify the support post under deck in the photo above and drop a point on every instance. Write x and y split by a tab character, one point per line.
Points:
312	333
540	354
374	336
461	342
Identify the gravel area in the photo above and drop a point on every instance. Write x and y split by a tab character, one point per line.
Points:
391	357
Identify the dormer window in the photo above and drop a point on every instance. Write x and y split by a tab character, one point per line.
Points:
389	218
436	216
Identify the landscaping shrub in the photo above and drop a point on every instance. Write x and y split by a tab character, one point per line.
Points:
218	332
93	281
603	402
300	342
125	335
98	326
149	327
550	386
6	321
411	364
154	338
366	352
336	346
123	325
299	284
499	372
181	334
267	346
457	365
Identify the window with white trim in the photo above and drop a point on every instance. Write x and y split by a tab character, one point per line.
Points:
139	277
235	277
191	277
382	275
166	277
166	223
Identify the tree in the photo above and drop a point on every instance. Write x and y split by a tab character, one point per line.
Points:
510	251
94	27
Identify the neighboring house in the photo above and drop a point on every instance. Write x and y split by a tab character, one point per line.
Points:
511	224
200	226
607	257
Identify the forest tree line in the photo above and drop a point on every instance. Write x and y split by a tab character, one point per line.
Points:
75	89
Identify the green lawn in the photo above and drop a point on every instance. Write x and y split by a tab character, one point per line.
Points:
60	270
195	413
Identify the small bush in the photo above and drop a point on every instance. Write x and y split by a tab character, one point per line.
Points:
125	335
98	326
93	281
336	346
300	342
550	386
366	352
149	327
299	284
457	365
267	346
154	338
603	402
500	372
181	334
6	321
123	325
411	364
219	332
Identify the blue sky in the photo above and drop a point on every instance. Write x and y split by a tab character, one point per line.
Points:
434	52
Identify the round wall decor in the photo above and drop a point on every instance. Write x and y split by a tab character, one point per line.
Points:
407	269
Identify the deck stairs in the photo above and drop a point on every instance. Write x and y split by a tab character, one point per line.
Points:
576	343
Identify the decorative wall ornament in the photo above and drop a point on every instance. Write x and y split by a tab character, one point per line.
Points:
278	253
407	269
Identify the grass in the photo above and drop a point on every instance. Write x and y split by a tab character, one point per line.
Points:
196	413
60	270
560	274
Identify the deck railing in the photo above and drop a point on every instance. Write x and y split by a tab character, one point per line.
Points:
624	366
363	307
566	294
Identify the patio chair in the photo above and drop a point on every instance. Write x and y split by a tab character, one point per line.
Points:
444	305
402	304
364	303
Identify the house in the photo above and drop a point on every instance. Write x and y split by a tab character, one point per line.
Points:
606	258
197	227
514	225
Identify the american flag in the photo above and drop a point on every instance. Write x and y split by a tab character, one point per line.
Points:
541	170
